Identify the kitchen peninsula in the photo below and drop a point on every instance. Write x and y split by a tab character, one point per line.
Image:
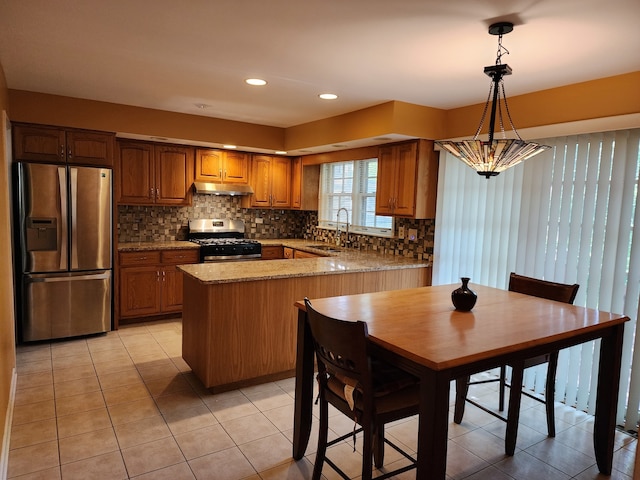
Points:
239	321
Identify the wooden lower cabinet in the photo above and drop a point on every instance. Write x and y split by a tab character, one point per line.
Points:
253	338
150	283
272	252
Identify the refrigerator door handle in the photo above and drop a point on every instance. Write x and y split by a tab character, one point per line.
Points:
73	183
91	276
62	184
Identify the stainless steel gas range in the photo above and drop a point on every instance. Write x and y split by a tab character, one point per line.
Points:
222	239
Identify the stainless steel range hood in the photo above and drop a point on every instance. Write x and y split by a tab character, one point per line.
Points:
222	188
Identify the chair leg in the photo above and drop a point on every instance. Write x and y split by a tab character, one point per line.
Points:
462	389
367	454
513	416
503	382
378	445
550	393
322	439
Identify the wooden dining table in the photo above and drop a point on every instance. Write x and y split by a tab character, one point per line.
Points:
419	330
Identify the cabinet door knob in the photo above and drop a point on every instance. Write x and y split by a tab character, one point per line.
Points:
69	153
62	151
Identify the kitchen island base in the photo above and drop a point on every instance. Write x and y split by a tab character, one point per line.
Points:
244	333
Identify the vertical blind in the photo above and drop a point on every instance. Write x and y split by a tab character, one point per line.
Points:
567	215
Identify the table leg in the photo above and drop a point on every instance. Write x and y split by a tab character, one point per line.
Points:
433	424
607	398
513	414
303	406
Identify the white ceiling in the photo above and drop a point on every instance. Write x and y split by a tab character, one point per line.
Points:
172	54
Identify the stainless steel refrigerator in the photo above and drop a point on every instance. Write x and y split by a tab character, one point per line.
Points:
65	255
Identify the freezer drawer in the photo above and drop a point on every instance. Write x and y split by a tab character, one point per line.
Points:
65	305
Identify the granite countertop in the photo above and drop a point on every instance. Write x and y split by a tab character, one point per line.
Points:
143	246
341	260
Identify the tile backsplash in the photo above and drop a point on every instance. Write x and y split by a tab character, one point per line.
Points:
162	223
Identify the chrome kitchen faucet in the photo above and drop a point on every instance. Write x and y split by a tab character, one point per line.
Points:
338	226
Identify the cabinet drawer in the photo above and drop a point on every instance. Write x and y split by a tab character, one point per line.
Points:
272	252
139	258
178	257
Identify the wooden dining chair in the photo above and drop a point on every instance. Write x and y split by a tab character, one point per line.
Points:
365	389
560	292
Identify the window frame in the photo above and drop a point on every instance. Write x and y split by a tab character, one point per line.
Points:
358	186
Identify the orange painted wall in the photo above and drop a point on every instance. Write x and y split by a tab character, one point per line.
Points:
111	117
7	335
606	97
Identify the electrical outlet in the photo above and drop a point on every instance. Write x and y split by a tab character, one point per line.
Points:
413	234
400	233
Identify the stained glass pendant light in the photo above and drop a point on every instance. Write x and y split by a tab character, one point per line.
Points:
495	155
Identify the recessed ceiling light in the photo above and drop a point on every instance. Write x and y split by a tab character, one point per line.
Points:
202	106
256	81
328	96
229	146
281	152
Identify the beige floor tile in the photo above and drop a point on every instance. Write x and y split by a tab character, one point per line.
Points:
268	400
152	456
83	422
118	354
119	379
293	470
52	473
230	405
268	452
146	357
69	348
33	458
79	403
27	355
167	385
180	471
86	445
32	433
108	466
228	464
108	367
106	342
34	379
34	367
77	387
188	419
152	373
525	466
281	417
247	429
133	411
169	404
34	394
125	394
71	361
562	457
203	441
33	412
73	373
180	364
141	431
462	463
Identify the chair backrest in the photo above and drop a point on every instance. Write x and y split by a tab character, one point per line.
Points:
341	347
560	292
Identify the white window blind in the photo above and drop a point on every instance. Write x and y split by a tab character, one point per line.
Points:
352	185
567	215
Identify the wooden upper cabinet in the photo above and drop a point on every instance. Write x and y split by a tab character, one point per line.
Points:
36	143
222	166
281	182
135	174
407	180
154	174
271	181
305	184
174	177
